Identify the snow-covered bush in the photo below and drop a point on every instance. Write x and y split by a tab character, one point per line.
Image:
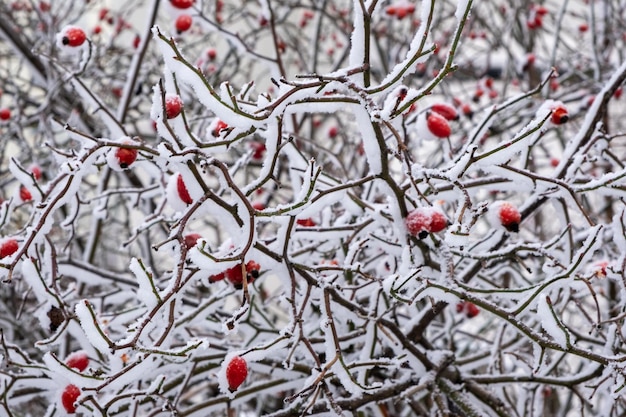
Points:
312	208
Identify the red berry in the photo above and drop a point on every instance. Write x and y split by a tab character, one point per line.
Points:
438	125
234	274
417	222
308	222
125	156
183	23
173	106
559	114
191	239
36	171
77	360
402	12
445	110
471	310
68	398
508	215
467	110
211	53
5	114
74	36
438	221
583	27
8	248
236	372
25	195
259	150
333	131
600	268
219	126
257	205
182	4
103	14
183	193
217	277
424	220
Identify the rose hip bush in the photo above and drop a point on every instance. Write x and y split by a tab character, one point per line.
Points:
347	208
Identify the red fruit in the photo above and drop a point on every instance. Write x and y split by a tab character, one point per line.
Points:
236	372
583	27
8	248
438	125
257	205
391	10
36	171
25	195
471	310
438	221
402	12
467	110
554	84
182	4
509	216
445	110
333	131
601	267
211	53
308	222
5	114
173	106
559	114
234	274
259	150
219	126
77	360
183	193
68	398
183	23
44	6
217	277
417	222
541	10
136	41
103	14
74	36
424	220
191	240
125	156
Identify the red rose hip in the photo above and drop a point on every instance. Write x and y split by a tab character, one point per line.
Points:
173	106
73	36
68	398
77	360
8	248
236	372
438	125
183	193
183	23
